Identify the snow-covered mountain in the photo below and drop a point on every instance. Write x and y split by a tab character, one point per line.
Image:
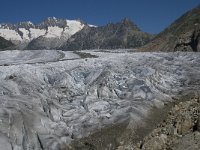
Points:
50	30
69	35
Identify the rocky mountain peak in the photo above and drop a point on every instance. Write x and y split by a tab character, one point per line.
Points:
52	21
26	25
126	22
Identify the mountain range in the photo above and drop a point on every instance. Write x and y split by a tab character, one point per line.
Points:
50	33
55	33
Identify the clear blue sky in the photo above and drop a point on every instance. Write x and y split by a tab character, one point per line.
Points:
150	15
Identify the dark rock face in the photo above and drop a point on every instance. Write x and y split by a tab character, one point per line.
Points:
124	34
5	43
189	42
182	35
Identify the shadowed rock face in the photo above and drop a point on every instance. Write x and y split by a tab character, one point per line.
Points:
189	41
5	44
47	101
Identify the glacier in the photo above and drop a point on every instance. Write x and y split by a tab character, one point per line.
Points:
48	98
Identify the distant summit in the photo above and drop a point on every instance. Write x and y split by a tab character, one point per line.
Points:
128	22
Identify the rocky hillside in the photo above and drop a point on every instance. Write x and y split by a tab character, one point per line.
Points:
124	34
5	43
180	130
182	35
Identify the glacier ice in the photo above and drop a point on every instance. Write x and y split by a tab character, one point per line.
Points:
49	98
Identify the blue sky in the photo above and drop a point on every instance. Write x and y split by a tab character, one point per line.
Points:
150	15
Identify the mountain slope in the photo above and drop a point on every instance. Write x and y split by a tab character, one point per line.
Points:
124	34
182	35
56	34
5	43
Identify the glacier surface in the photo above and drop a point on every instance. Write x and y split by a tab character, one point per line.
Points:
49	98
